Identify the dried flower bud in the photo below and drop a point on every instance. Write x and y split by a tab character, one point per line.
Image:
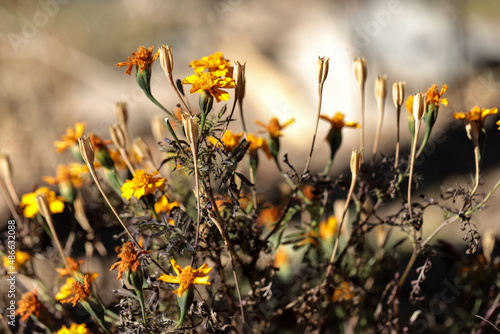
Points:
86	150
5	167
472	132
167	59
322	69
488	243
190	123
356	158
117	136
360	70
239	74
381	87
142	149
419	106
43	204
121	113
398	93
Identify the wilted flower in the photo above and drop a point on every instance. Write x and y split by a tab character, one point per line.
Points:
129	259
80	291
28	305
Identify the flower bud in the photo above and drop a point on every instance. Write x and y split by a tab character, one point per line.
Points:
355	161
142	149
86	150
239	74
43	204
117	136
398	93
419	106
381	87
121	113
190	123
322	69
360	70
167	59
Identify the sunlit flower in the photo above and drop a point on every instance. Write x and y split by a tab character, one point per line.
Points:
498	123
74	267
74	329
274	127
143	58
80	291
73	173
164	205
257	143
434	96
28	305
337	121
229	139
327	228
129	259
209	83
476	115
215	63
28	202
343	292
20	259
187	277
70	138
142	184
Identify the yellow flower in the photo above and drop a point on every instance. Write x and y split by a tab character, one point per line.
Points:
73	173
144	57
74	267
28	202
409	105
337	121
257	143
80	291
210	83
129	259
327	228
70	138
187	277
434	96
344	292
230	140
164	205
498	123
28	305
142	184
274	127
215	63
74	329
20	259
476	115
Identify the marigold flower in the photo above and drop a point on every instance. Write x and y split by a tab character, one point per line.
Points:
70	138
476	115
164	205
215	63
80	291
28	202
144	57
187	277
20	259
274	127
281	257
209	83
328	228
28	305
229	139
129	259
337	122
74	329
344	292
268	216
142	184
257	143
434	96
73	173
74	267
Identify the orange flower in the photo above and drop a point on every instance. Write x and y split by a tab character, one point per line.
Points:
70	138
344	292
268	216
214	63
144	57
142	184
257	143
274	127
337	121
74	267
230	140
129	259
73	173
80	291
281	257
209	83
476	115
28	305
434	96
187	277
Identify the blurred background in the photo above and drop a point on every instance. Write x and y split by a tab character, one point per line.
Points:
57	60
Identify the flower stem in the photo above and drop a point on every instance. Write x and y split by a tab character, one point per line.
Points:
412	163
320	99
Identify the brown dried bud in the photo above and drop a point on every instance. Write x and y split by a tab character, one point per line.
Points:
86	150
117	136
398	93
43	205
356	158
121	113
419	106
190	123
167	59
381	87
322	69
142	149
360	71
239	74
